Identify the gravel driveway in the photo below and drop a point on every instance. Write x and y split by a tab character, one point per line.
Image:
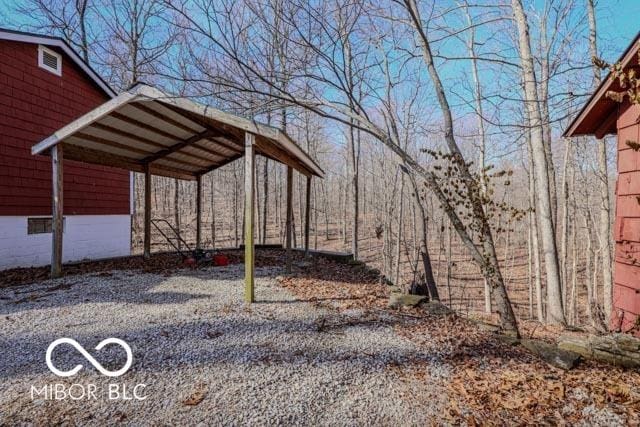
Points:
205	357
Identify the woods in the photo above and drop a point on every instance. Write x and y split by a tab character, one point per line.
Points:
438	123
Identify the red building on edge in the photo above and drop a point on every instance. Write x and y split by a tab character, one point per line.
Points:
602	116
44	85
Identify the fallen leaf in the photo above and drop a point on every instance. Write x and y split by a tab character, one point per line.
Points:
196	397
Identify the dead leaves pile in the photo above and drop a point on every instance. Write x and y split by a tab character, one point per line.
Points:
336	285
533	392
491	382
159	263
504	384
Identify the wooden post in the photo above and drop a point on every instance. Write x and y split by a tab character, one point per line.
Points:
198	211
249	196
289	220
57	158
307	217
147	211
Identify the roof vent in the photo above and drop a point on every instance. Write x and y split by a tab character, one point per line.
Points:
50	60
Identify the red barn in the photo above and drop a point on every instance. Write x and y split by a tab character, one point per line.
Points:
602	116
44	85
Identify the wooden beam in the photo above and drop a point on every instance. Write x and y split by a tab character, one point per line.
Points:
140	106
228	143
214	167
289	221
199	146
197	118
88	155
198	212
57	159
249	196
603	129
145	126
109	143
179	146
143	140
147	212
128	135
86	137
82	122
272	150
307	217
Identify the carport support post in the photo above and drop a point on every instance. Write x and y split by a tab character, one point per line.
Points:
147	211
289	220
57	158
249	196
198	211
307	217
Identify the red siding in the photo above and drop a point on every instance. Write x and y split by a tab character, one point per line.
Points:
34	103
626	291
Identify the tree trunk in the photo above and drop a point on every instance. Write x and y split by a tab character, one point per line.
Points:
213	213
265	202
483	142
546	119
176	209
555	313
565	221
486	257
398	255
431	288
605	207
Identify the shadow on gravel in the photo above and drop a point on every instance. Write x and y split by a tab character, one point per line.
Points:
220	341
74	291
233	334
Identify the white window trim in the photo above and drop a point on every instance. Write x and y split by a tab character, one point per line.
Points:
41	50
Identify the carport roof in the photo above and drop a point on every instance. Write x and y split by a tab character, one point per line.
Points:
175	136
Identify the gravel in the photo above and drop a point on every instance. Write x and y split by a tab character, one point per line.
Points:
205	357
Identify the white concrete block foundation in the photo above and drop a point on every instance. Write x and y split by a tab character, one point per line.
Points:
85	237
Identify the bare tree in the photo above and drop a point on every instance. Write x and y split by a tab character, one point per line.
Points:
477	91
603	178
134	41
67	19
313	34
555	312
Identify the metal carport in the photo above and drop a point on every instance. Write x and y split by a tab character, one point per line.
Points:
146	130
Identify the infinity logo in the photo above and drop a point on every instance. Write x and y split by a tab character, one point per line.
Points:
90	358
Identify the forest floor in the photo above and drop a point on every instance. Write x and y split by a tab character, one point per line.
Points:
320	347
460	282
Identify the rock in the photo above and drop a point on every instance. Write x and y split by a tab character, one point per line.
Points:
508	339
436	308
615	349
487	327
384	281
374	271
304	264
395	289
550	353
397	300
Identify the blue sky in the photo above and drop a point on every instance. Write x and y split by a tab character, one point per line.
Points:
618	24
617	19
